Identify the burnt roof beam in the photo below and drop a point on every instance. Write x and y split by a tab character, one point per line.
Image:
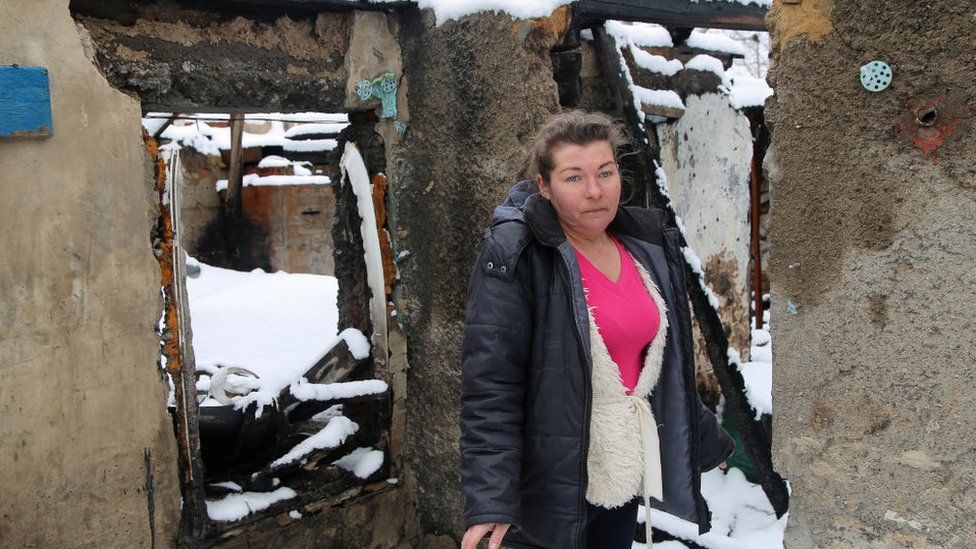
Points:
718	14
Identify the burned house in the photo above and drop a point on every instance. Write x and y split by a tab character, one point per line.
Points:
353	149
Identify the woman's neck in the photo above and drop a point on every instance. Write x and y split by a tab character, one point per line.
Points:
584	242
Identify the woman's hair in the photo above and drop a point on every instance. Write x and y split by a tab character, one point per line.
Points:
574	127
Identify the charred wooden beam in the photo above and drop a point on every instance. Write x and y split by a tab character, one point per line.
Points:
719	14
176	348
235	180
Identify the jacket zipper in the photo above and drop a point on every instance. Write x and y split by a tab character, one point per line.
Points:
588	402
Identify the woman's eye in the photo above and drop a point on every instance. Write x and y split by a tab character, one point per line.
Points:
606	173
573	178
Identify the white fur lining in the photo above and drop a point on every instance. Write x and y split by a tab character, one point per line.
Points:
615	460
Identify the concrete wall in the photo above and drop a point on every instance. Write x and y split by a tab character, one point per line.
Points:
83	403
707	155
471	110
874	244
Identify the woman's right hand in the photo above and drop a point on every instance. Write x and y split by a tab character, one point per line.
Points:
474	534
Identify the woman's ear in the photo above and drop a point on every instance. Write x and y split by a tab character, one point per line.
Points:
542	188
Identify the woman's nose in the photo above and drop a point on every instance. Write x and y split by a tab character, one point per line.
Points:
593	188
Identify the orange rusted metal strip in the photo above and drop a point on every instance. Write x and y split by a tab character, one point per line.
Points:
194	521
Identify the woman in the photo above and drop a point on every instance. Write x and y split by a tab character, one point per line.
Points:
578	385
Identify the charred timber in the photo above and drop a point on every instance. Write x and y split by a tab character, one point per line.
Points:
719	14
754	435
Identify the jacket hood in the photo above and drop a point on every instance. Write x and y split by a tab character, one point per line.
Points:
511	208
524	204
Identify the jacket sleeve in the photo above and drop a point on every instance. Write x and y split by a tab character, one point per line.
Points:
494	356
715	443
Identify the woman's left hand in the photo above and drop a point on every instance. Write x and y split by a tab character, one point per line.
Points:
478	531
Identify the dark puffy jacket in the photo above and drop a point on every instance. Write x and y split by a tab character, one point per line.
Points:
525	378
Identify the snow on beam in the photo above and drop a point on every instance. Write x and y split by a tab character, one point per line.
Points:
719	14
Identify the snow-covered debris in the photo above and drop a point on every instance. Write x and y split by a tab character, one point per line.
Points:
742	517
758	372
303	390
760	3
237	506
305	117
660	98
746	90
332	435
274	161
228	485
314	129
211	139
277	325
655	63
445	10
716	42
707	63
361	462
355	340
255	180
643	35
309	145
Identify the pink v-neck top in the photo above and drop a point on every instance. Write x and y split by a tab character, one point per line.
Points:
625	313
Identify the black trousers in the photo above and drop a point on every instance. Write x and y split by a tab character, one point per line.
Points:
611	528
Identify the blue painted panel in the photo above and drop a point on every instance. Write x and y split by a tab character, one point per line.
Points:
25	102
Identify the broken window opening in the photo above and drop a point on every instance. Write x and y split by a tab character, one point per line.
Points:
280	397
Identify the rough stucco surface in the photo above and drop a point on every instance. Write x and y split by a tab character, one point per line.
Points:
707	156
874	244
81	397
475	96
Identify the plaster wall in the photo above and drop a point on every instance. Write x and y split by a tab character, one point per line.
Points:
873	244
88	452
706	155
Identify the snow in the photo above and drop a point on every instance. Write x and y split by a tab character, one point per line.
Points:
237	506
309	145
354	169
645	35
294	515
742	517
760	3
303	390
210	140
255	180
277	325
228	485
716	42
655	63
362	462
746	90
758	372
317	128
331	436
274	161
662	98
356	341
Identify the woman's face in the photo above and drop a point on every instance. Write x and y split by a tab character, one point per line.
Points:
584	187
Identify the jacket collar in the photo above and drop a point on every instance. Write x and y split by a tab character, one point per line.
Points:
640	223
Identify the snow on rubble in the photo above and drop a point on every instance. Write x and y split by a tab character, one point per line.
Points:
742	517
277	325
204	134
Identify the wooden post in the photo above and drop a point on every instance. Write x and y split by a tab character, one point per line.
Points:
757	299
235	180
